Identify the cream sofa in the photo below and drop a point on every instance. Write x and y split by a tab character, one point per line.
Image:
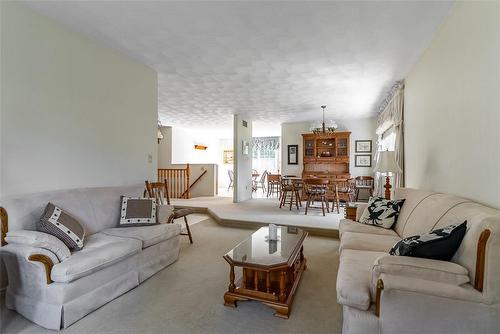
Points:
403	295
114	260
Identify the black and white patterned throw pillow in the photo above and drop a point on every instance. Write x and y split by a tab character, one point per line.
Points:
138	211
60	224
440	244
381	212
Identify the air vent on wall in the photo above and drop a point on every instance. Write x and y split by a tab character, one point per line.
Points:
244	123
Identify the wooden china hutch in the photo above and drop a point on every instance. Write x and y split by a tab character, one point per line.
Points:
326	155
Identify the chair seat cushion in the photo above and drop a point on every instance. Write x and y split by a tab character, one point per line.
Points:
354	277
347	225
147	235
369	242
100	251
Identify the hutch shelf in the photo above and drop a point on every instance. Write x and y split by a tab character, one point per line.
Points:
326	155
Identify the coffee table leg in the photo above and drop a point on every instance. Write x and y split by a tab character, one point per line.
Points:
282	295
232	286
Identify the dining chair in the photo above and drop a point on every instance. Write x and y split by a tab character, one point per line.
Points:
261	183
230	173
289	194
364	183
315	190
159	191
273	184
343	190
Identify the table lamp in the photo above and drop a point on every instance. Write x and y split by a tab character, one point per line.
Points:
387	164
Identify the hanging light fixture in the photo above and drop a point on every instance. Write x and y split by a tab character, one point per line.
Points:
318	127
159	134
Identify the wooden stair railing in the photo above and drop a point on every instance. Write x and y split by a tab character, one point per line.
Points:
177	180
192	184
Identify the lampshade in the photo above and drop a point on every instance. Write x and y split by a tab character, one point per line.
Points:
387	163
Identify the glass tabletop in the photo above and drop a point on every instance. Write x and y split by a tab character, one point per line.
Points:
257	250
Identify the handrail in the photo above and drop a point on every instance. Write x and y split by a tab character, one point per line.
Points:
192	184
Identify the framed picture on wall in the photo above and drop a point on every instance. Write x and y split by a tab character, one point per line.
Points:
363	146
293	154
228	156
363	160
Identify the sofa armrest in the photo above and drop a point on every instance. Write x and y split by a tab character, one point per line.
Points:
360	209
26	256
419	268
413	306
465	292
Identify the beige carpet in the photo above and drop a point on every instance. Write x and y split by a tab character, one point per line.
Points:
187	297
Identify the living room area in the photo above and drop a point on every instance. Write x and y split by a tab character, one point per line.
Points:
249	167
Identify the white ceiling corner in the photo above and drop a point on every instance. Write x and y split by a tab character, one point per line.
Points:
272	61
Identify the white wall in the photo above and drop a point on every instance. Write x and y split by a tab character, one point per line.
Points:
360	128
242	163
74	113
452	107
183	150
207	185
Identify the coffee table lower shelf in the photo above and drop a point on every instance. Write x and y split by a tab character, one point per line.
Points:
274	288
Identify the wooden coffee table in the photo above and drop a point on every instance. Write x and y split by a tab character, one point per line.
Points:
270	270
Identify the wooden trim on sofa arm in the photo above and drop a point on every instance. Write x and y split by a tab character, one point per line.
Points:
4	220
380	287
481	260
47	263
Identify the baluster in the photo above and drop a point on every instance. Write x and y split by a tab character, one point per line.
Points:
268	282
256	280
244	278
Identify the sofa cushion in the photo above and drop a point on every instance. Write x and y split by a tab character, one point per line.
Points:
347	225
354	276
381	212
440	244
369	242
147	235
62	225
100	251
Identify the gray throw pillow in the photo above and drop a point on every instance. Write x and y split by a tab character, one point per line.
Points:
137	211
381	212
63	226
39	240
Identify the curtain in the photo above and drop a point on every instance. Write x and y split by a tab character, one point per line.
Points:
390	120
266	143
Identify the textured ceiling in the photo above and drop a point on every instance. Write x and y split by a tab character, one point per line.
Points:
275	62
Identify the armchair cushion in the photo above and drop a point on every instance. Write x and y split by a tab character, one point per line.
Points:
39	240
414	267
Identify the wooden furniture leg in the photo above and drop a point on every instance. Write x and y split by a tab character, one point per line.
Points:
231	286
282	294
188	230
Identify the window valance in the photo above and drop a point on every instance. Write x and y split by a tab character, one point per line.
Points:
266	143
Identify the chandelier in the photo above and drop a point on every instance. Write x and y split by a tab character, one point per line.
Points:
318	127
